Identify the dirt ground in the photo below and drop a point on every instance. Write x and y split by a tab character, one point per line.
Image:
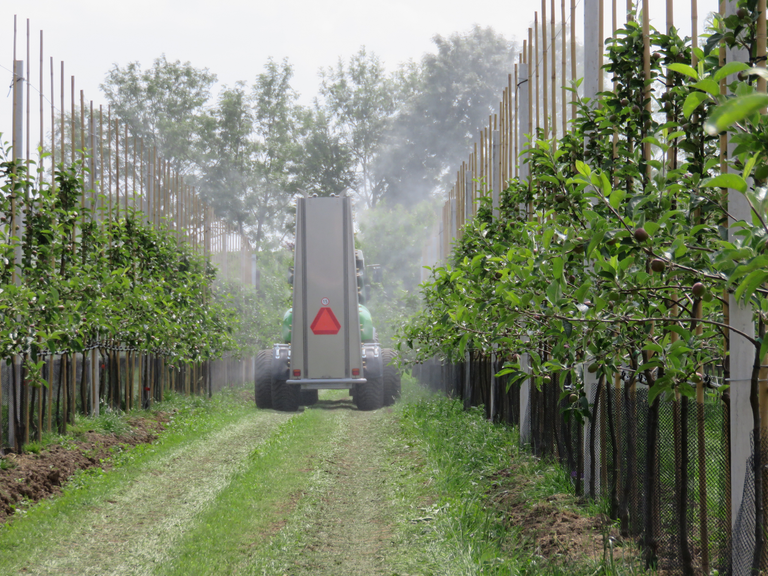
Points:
554	528
28	478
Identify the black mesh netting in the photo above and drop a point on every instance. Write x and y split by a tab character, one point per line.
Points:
664	469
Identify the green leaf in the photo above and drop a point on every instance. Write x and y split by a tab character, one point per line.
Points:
582	291
734	110
652	227
463	345
748	286
616	197
762	72
557	267
554	293
726	181
708	85
597	237
692	102
684	69
728	69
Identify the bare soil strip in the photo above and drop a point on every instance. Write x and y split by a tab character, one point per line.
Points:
161	502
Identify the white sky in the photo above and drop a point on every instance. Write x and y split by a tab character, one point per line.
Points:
233	38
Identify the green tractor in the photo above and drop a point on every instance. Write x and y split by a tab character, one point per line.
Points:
329	341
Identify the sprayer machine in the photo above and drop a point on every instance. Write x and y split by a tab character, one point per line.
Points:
329	341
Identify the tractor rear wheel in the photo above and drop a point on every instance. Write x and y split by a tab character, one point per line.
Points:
370	396
285	397
392	383
264	379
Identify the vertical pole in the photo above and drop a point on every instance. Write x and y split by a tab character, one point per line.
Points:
49	391
573	56
563	67
524	135
125	168
741	350
17	139
496	173
117	170
762	442
592	51
553	78
545	69
535	64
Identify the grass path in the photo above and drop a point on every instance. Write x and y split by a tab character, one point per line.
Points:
347	525
129	528
259	492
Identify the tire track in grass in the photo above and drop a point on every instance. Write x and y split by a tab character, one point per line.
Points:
280	474
345	525
131	530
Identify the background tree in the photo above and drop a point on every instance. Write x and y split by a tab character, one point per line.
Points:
359	99
277	158
164	105
228	165
458	88
326	165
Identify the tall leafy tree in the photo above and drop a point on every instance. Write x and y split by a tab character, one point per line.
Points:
228	165
164	104
359	98
458	88
327	165
276	159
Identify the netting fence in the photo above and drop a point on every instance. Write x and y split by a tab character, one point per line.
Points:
662	468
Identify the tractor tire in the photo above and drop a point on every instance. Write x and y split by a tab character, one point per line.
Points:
285	397
370	396
264	379
391	377
308	397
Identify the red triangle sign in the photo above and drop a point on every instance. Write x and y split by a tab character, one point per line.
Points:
325	322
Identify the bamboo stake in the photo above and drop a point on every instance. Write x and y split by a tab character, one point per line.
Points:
133	175
554	74
510	127
647	77
535	63
27	111
53	262
545	67
63	118
72	119
530	87
117	171
101	162
109	166
760	41
82	153
42	121
563	67
125	168
615	153
573	56
515	123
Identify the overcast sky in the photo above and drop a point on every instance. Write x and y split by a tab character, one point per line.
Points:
233	38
